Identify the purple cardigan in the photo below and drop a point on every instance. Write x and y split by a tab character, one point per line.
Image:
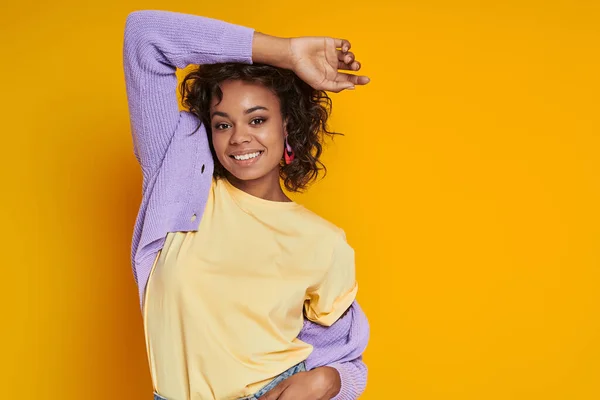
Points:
177	165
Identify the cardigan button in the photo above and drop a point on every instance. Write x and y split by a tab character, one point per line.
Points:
202	170
193	218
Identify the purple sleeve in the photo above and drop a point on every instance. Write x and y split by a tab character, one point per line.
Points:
341	346
155	44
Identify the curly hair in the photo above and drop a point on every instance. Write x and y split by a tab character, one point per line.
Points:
305	109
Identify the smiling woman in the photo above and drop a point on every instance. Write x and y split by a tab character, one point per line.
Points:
248	139
256	298
238	103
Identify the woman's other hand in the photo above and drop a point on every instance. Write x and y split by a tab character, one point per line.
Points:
316	60
321	383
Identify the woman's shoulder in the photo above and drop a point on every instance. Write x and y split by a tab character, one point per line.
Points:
318	225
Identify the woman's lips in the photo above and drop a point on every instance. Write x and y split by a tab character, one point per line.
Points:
247	161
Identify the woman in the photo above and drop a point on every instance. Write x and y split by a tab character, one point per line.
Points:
207	332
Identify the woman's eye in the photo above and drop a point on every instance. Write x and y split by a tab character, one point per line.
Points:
220	126
257	121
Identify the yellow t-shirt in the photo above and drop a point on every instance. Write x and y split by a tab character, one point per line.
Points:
224	305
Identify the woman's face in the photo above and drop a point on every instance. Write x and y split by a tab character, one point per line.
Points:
248	131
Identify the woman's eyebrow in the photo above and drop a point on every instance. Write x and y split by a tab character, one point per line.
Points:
255	108
248	111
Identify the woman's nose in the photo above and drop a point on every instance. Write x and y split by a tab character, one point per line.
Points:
240	135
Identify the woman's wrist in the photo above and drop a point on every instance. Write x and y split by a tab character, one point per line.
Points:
271	50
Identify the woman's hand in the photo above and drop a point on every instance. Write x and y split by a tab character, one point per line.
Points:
321	383
316	60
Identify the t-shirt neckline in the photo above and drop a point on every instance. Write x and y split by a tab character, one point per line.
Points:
249	199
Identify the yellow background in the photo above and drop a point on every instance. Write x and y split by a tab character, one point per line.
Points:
468	183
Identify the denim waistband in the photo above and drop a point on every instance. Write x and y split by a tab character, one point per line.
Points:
300	367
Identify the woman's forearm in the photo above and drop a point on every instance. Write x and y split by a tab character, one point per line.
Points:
340	346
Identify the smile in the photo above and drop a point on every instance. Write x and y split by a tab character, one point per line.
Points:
247	159
247	156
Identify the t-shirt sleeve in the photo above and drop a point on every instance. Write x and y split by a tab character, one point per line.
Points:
329	299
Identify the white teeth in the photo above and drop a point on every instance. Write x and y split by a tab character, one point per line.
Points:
247	156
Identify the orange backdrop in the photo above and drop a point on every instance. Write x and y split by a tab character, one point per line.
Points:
467	182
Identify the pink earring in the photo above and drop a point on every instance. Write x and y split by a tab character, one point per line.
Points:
288	152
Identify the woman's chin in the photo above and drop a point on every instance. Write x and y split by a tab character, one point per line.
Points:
245	174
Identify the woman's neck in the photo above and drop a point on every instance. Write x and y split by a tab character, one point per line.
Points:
267	188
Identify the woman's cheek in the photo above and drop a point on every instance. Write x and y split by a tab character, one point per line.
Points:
217	142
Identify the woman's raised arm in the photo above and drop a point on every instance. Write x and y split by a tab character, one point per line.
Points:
158	42
155	44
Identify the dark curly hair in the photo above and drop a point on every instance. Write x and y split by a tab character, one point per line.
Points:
306	110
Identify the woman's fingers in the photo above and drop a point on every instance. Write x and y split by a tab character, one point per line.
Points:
337	86
355	66
347	61
344	81
354	79
345	57
342	44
